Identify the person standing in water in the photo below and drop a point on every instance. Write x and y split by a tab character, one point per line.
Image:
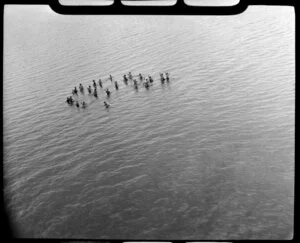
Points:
141	77
116	85
135	84
100	83
95	93
167	77
150	79
125	79
89	89
107	92
81	88
162	79
70	100
74	91
107	105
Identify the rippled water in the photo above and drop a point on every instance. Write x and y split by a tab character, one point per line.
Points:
208	156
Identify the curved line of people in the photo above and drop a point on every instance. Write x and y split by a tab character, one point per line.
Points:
147	83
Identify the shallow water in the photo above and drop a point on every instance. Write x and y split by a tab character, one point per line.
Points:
209	155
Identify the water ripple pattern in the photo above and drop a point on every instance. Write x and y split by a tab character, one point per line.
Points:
209	155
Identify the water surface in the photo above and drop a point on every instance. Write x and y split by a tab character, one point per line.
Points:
209	155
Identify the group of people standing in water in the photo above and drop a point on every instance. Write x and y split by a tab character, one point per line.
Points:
145	80
71	101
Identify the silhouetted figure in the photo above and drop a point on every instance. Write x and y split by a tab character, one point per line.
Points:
81	88
108	92
135	84
162	79
116	85
95	93
70	100
125	79
150	79
89	89
167	77
141	77
107	105
75	91
100	83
